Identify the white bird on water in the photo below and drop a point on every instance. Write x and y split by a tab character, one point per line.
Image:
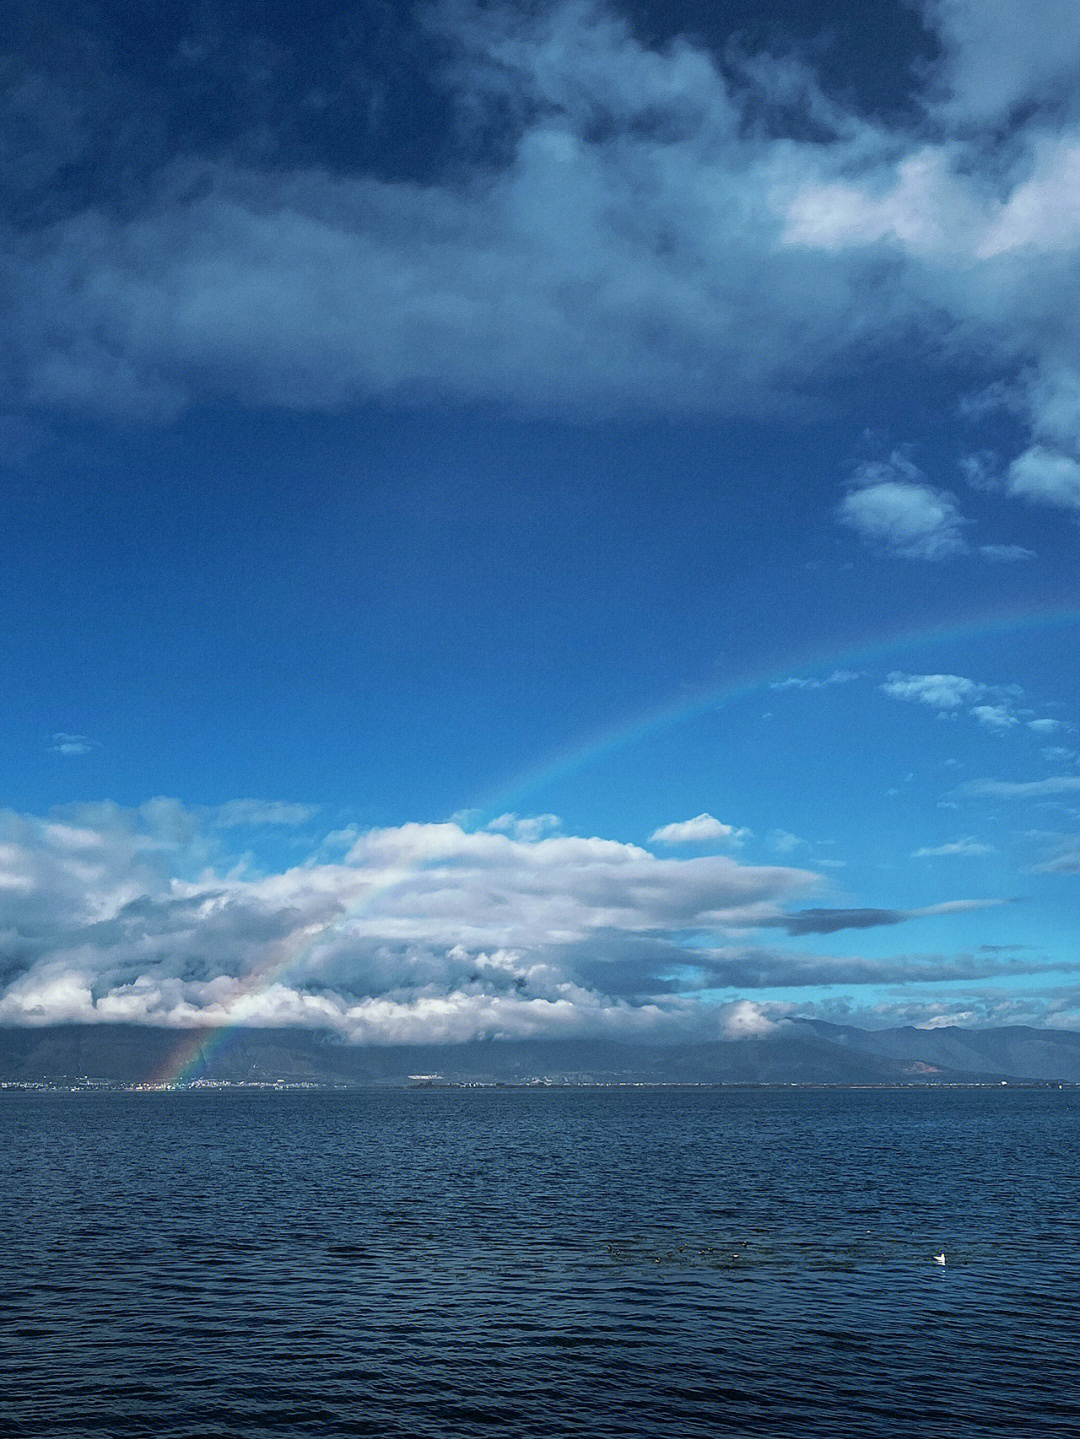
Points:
939	1258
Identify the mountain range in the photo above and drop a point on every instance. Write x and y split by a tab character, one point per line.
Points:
799	1051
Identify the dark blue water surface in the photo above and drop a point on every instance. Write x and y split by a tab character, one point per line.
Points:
541	1263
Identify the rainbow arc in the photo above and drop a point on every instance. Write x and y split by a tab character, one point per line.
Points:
192	1053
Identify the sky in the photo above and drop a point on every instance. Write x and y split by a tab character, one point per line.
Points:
540	519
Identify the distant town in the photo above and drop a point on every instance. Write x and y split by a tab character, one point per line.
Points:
85	1084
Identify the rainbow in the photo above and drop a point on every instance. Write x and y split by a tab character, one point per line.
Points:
195	1049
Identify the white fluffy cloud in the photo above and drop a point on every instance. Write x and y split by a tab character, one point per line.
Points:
994	717
532	826
419	932
702	829
891	505
996	707
1047	477
940	692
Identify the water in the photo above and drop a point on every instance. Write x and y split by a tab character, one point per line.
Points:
593	1263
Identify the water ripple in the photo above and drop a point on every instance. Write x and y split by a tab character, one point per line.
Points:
574	1263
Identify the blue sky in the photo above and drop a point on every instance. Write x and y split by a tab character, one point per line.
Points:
447	449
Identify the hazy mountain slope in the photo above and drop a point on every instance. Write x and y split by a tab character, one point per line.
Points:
1015	1051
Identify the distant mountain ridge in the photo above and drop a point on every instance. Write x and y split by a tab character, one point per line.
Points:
800	1051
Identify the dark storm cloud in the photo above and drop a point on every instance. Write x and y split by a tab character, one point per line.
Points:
830	921
769	969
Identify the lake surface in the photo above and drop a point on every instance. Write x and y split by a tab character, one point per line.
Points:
541	1263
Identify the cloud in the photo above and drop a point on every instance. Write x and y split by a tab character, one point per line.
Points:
575	266
1067	862
1062	858
891	505
419	931
980	471
612	225
949	693
1006	554
71	744
1046	477
997	56
838	677
769	969
941	692
422	933
831	921
968	846
1057	753
260	812
702	829
988	1005
528	827
994	717
1021	789
747	1020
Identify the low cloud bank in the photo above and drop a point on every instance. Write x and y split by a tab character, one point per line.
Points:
423	931
419	932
